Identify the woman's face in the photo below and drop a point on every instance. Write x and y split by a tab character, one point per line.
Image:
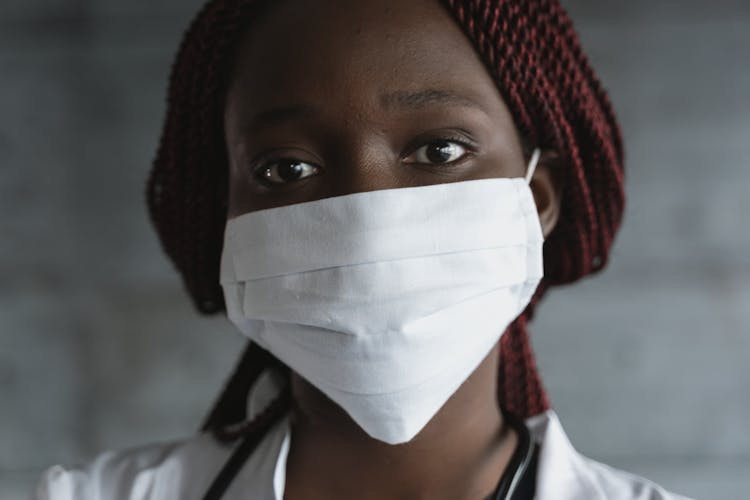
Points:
332	97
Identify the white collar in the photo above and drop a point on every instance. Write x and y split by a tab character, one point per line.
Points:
178	470
562	472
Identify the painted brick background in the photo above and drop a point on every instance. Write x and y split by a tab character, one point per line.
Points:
647	364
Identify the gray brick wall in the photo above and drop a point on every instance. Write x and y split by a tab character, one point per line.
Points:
99	348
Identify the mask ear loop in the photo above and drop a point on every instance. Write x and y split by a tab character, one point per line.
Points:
532	165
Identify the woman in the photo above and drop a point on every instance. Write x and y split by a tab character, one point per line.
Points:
365	188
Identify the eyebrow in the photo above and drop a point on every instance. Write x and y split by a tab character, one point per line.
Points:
276	116
403	99
423	98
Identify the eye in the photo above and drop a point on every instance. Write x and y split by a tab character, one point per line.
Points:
280	172
438	152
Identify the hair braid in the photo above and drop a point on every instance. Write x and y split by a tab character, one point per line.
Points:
532	52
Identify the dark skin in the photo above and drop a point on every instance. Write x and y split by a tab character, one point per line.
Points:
332	97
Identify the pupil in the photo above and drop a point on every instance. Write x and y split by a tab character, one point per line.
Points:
290	171
440	152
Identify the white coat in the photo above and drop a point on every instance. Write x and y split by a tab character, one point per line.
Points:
183	470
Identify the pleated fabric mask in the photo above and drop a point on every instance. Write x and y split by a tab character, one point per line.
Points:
388	300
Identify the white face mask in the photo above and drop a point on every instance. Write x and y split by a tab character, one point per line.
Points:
388	300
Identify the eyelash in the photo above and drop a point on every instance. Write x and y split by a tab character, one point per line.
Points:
469	147
260	172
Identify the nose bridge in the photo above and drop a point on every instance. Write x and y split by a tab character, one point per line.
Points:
363	162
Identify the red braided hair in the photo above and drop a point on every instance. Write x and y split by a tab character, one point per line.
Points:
531	50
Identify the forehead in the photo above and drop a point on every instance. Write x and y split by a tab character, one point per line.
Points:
345	52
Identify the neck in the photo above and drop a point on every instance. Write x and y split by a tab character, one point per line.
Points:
460	454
